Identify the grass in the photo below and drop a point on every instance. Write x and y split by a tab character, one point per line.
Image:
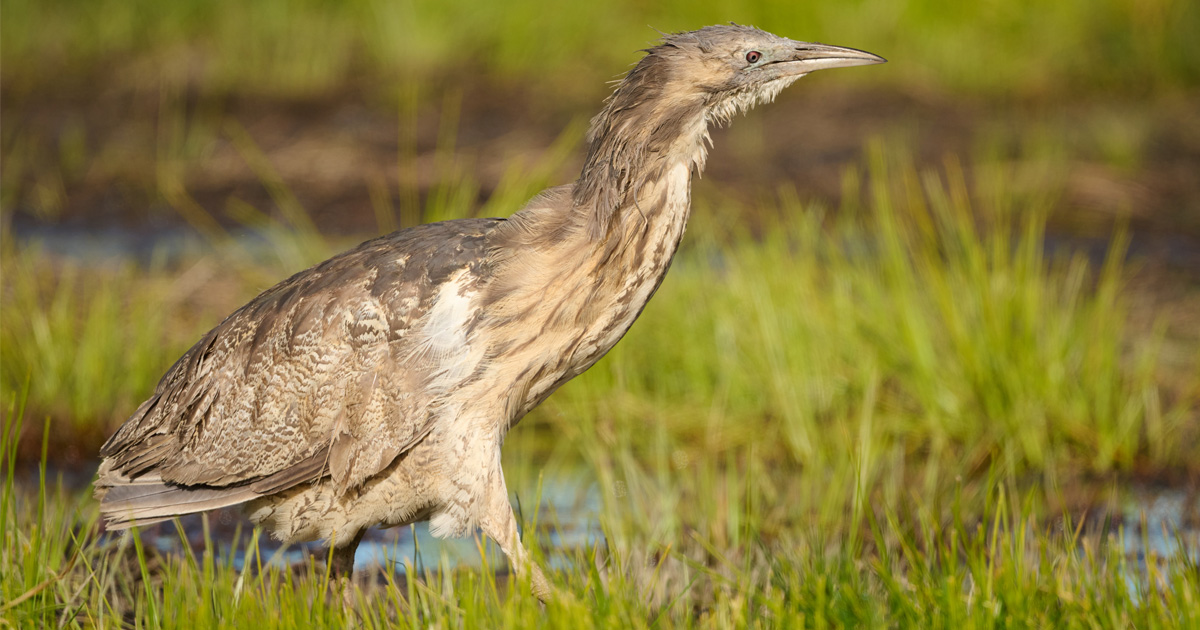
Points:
271	47
91	340
875	416
908	562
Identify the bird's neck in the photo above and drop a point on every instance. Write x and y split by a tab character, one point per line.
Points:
578	264
646	130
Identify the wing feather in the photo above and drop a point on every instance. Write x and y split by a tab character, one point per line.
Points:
314	377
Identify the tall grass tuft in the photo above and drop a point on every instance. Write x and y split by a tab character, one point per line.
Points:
89	341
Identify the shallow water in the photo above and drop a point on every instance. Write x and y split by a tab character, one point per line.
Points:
1148	523
567	519
1171	525
165	244
1151	523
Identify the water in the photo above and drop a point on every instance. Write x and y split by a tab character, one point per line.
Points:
164	244
1171	525
567	519
1149	523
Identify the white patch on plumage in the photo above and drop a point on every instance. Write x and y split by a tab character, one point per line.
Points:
450	524
444	340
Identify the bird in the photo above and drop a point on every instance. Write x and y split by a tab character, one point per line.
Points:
376	388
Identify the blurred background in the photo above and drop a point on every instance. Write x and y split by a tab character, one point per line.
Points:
972	269
1008	213
139	131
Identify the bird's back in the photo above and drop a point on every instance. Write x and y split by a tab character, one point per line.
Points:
323	374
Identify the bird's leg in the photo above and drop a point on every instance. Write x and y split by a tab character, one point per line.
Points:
499	523
341	566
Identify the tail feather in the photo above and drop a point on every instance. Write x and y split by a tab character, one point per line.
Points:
147	499
143	504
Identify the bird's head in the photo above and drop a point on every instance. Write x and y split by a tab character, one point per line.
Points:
731	68
699	77
663	107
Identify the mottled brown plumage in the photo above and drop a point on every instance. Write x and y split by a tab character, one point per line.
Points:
376	388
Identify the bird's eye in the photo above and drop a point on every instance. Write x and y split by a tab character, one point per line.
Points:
753	56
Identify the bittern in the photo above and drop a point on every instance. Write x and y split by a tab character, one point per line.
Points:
376	388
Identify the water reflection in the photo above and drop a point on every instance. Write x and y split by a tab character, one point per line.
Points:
566	519
1148	524
1171	524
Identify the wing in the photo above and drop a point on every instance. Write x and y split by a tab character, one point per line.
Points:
323	374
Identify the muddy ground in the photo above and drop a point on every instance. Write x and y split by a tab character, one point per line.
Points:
88	158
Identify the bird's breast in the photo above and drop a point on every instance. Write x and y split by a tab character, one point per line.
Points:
568	305
588	295
652	232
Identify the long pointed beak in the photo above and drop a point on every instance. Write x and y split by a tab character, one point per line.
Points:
806	57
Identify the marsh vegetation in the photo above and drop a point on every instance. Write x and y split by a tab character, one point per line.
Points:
929	356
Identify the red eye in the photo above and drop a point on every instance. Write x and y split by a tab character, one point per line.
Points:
753	56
